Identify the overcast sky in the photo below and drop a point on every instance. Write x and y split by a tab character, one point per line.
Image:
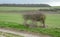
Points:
50	2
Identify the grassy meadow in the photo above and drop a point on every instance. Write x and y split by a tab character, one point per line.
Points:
21	8
18	8
15	21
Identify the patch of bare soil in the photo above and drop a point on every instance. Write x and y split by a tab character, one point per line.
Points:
23	33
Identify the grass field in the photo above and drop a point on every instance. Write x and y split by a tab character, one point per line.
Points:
17	8
51	19
9	20
21	8
15	21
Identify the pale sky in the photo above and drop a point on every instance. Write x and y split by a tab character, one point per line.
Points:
50	2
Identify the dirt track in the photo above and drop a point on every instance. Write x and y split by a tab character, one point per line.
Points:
23	33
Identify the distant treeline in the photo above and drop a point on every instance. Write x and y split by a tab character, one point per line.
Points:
26	5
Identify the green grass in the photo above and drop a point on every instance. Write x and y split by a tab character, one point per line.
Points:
18	8
15	21
13	17
56	6
55	32
21	8
53	20
8	35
